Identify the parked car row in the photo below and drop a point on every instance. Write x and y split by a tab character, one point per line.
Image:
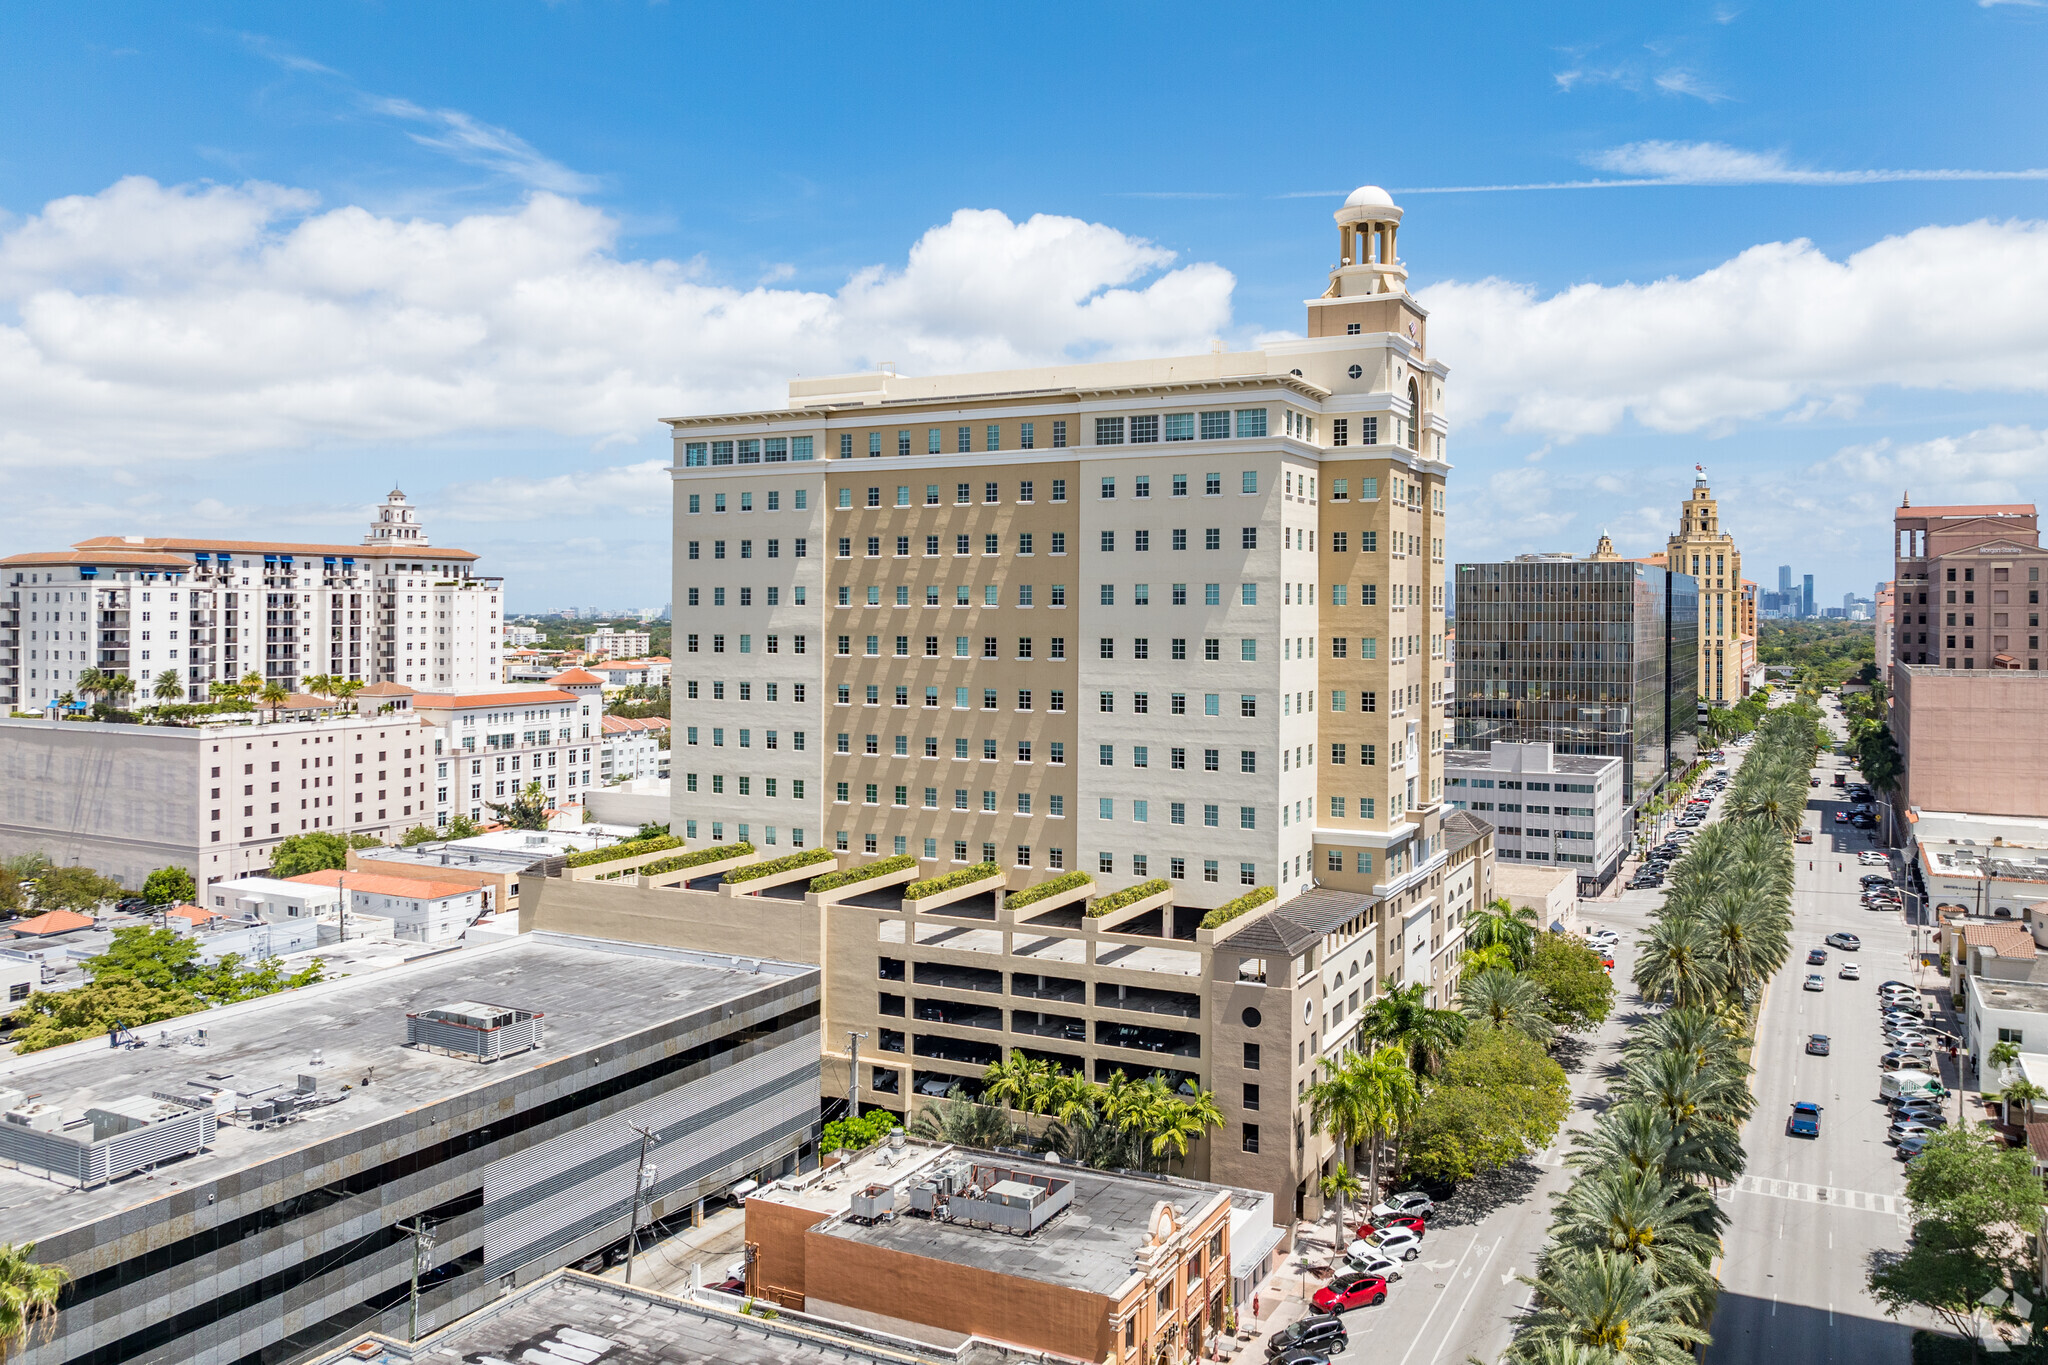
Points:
1372	1262
1909	1088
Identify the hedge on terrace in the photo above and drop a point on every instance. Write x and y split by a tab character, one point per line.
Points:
832	881
632	848
789	862
696	857
1031	894
1230	910
1130	895
966	876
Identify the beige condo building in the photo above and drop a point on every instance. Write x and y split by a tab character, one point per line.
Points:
1702	548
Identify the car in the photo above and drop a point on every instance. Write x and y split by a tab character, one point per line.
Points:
1399	1243
1407	1204
1805	836
1907	1035
1849	972
1875	879
1907	1059
1817	1045
1910	1147
1816	957
1841	817
1898	999
1350	1291
1805	1120
1903	1012
1863	820
1813	782
1302	1355
1398	1222
1905	1128
1326	1334
1375	1263
1816	982
1846	942
732	1284
1870	857
1927	1112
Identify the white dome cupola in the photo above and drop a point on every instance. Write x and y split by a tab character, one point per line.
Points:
1368	258
396	524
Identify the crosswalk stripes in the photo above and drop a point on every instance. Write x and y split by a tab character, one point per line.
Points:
1893	1204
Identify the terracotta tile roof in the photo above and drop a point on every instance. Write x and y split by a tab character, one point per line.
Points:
2008	940
50	922
387	689
267	547
623	725
468	700
376	884
577	677
197	914
115	555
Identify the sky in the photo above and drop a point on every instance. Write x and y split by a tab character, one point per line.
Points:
260	263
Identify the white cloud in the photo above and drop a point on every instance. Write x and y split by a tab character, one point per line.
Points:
1679	81
471	140
633	490
1774	330
152	322
1644	165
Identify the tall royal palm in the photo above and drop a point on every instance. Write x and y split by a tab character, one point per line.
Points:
1401	1016
1505	1000
1363	1101
1658	1223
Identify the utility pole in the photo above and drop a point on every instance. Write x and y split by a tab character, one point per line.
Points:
647	1139
853	1074
422	1244
341	893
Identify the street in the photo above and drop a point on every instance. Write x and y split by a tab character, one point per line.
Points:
1807	1215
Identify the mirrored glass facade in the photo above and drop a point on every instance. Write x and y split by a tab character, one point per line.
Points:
1591	656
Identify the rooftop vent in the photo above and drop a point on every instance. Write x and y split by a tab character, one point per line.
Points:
473	1030
106	1142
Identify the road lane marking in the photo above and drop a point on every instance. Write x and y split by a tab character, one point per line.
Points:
1440	1300
1867	1200
1467	1302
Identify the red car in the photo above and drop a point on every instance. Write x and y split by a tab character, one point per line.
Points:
1841	817
1350	1291
1414	1225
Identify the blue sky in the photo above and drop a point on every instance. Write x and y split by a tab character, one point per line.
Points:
257	262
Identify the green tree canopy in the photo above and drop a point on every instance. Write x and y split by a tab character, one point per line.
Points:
1577	993
169	886
528	810
418	834
74	888
28	1296
52	1018
299	854
1498	1097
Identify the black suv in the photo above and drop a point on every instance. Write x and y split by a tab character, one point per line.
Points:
1324	1332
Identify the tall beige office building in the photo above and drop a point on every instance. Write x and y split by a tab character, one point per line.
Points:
1703	549
1157	618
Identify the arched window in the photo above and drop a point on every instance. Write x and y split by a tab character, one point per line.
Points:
1414	414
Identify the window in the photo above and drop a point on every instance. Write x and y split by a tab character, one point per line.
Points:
1215	426
1059	440
1248	705
1249	480
1109	431
1248	594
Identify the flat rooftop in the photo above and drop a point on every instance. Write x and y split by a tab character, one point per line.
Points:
1999	994
1092	1245
572	1319
591	992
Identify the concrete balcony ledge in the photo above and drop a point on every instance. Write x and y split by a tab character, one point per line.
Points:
840	893
782	878
1107	923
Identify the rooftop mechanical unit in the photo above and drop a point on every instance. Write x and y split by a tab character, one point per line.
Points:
475	1031
107	1142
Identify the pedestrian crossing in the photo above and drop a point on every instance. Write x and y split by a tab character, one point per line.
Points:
1893	1204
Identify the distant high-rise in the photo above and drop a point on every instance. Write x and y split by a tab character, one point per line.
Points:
1784	578
1806	598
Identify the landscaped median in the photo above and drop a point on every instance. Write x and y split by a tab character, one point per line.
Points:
1131	902
1230	910
849	880
701	862
967	882
750	878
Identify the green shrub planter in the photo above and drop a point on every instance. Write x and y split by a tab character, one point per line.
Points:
1230	910
1130	895
832	881
787	863
1030	895
966	876
632	848
696	857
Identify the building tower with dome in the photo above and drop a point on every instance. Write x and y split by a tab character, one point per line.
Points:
1703	548
1174	623
199	610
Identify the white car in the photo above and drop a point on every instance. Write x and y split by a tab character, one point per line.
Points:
1850	972
1816	982
1910	1128
1374	1263
1407	1204
1872	858
1396	1243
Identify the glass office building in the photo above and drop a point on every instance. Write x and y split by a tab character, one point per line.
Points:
1589	656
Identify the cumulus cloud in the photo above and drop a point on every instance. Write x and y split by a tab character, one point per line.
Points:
1774	331
152	322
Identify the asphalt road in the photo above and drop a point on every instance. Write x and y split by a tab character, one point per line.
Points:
1808	1214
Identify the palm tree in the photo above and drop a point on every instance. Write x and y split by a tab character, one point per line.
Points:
1505	1000
1750	942
169	686
1183	1120
1018	1081
28	1296
345	689
1606	1300
1363	1099
1340	1188
1399	1016
2023	1093
1654	1221
1493	957
962	1122
1677	962
1086	1138
91	683
274	695
1508	925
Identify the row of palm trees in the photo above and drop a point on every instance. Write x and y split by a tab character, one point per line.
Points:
1627	1278
113	687
1122	1123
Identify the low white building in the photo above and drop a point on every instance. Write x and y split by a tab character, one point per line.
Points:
1552	892
618	644
633	749
2000	1011
1560	810
1985	866
271	898
419	911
